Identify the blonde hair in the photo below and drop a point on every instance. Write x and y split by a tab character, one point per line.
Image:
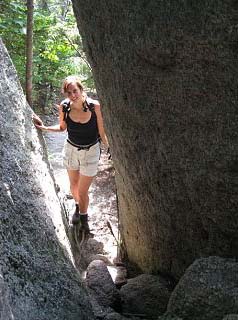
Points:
69	80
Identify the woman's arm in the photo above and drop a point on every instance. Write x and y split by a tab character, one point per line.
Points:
56	128
101	130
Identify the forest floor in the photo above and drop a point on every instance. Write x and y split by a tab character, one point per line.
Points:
103	212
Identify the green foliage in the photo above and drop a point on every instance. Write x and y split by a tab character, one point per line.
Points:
57	46
13	31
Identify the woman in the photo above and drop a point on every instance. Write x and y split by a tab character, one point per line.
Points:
82	118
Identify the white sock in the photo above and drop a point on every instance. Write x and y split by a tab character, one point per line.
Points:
83	213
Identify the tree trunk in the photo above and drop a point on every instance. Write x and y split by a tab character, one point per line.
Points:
166	73
29	50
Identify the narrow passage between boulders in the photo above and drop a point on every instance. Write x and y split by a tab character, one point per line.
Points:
99	253
103	215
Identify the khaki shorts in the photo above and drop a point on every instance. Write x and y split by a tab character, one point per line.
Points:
86	161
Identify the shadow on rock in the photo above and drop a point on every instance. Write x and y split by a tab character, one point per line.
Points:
85	248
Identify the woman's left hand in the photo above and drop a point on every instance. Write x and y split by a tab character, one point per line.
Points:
37	120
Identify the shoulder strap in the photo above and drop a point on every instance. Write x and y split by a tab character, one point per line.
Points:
88	105
66	108
91	106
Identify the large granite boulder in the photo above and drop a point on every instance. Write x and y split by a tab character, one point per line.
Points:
5	309
146	294
101	286
35	260
207	291
169	317
166	74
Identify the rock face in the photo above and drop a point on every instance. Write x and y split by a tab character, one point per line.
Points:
207	291
5	310
36	268
101	286
169	317
166	74
146	294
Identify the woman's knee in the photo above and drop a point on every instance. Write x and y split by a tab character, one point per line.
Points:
74	184
83	194
73	178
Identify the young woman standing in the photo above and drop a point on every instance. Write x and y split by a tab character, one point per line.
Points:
82	118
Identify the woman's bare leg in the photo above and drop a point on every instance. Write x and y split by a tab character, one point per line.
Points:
79	186
84	184
83	187
74	177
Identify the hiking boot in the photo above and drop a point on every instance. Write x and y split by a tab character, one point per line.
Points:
84	223
76	216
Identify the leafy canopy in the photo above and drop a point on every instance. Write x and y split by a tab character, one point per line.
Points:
57	48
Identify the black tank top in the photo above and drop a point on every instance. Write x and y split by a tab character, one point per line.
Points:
83	133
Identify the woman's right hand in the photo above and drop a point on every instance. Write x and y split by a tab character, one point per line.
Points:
38	122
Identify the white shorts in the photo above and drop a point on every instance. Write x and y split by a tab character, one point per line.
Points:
86	161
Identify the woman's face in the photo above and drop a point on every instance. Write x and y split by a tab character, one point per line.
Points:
74	93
